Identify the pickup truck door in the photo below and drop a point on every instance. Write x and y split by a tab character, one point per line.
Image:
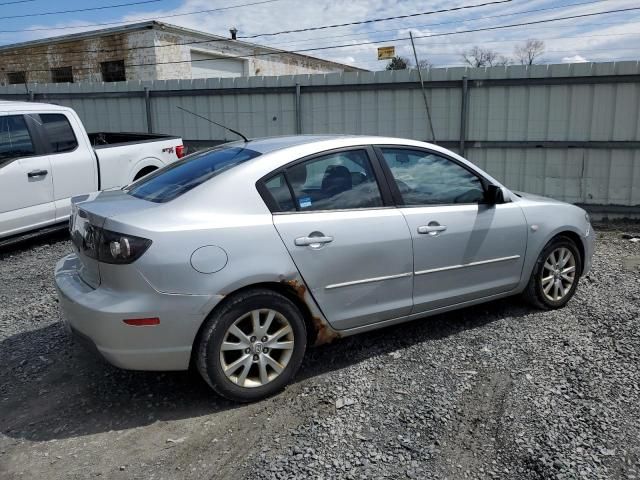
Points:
26	186
73	161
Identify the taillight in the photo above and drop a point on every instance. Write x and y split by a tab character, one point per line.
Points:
119	248
180	151
113	247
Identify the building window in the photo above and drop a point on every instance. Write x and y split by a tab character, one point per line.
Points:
17	77
62	75
113	71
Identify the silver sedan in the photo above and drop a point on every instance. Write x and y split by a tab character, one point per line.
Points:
236	259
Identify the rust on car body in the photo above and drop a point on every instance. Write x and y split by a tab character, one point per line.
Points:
323	333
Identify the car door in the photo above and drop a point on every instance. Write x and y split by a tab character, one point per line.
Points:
73	166
26	186
464	249
351	247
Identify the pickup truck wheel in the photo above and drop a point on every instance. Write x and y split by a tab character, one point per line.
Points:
253	346
143	172
555	275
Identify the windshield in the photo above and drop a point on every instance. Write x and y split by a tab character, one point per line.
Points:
172	181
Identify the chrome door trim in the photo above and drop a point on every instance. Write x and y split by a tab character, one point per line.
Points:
471	264
368	280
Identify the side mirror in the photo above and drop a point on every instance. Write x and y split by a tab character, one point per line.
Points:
494	195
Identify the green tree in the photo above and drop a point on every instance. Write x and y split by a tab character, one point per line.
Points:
398	63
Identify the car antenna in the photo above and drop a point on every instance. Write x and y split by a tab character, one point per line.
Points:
216	123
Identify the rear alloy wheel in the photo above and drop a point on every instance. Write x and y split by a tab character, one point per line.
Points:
253	346
555	275
257	348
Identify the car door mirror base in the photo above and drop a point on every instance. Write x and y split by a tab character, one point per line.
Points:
494	195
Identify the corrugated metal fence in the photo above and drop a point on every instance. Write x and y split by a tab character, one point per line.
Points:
569	131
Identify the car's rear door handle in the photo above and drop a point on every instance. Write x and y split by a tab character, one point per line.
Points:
37	173
433	228
306	241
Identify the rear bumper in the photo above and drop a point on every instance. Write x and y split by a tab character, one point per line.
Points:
96	316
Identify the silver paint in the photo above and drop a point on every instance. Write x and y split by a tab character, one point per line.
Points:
357	278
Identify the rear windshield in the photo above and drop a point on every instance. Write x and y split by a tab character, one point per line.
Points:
180	177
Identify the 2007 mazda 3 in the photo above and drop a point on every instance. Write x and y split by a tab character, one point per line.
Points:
237	258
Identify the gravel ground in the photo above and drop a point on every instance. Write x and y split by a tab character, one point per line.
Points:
495	391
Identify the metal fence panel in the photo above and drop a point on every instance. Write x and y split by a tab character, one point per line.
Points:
569	131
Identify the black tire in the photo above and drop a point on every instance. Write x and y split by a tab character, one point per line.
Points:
534	292
215	329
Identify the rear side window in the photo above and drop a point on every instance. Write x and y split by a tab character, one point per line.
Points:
337	181
15	140
172	181
59	132
280	193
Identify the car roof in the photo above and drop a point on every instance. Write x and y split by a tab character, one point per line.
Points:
272	144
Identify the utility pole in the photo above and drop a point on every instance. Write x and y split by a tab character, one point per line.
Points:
424	93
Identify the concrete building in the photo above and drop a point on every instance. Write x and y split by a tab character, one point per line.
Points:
149	51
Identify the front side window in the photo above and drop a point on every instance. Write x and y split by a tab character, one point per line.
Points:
424	178
179	177
342	180
15	140
59	132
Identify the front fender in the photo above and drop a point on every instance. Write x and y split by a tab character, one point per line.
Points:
548	220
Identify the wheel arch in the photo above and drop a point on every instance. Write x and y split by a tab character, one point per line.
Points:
144	171
143	164
577	239
318	329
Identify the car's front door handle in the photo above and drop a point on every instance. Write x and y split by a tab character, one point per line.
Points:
307	241
432	229
37	173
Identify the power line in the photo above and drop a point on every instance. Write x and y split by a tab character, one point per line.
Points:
375	20
140	19
374	42
104	7
194	42
528	29
16	1
430	53
290	42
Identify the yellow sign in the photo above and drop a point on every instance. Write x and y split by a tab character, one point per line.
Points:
385	53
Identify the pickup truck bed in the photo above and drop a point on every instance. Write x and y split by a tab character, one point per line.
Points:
47	157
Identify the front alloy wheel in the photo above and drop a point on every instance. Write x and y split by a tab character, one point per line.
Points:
558	274
252	345
555	274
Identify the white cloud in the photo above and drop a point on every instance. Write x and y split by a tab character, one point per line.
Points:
598	38
574	59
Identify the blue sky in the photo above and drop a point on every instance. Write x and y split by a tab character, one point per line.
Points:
611	37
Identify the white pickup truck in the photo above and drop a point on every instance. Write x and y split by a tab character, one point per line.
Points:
47	157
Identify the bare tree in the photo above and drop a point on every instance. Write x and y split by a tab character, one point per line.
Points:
484	57
530	51
424	64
